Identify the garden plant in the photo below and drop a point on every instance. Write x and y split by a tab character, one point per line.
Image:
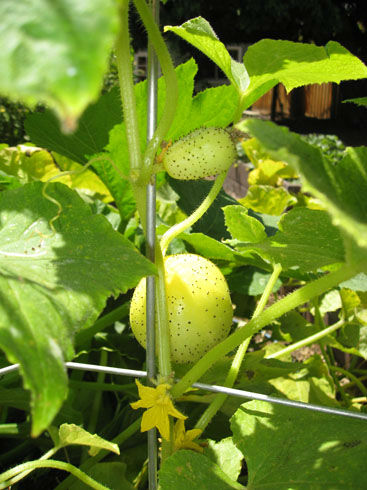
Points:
234	288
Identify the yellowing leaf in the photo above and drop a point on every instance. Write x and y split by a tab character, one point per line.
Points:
73	434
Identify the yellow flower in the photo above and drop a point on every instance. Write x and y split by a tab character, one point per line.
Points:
184	439
159	405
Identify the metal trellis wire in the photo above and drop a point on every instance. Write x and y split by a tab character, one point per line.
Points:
208	387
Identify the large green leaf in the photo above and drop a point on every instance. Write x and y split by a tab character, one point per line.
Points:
286	447
306	239
341	187
270	61
56	52
200	34
91	135
185	470
54	283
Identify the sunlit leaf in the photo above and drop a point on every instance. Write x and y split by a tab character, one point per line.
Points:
56	53
54	282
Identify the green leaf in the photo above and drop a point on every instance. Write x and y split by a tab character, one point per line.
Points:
91	135
250	281
56	53
214	106
226	455
191	195
357	283
361	101
286	447
200	34
208	247
54	283
243	227
267	199
295	246
293	327
270	61
341	188
73	434
185	470
311	383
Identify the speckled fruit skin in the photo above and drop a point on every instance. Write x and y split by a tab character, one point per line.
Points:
202	153
199	307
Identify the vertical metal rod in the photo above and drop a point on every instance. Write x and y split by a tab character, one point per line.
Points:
152	77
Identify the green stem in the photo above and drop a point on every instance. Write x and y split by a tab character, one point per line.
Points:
238	114
307	341
96	405
125	74
170	79
59	465
22	474
219	399
288	303
335	378
351	376
130	112
105	321
175	230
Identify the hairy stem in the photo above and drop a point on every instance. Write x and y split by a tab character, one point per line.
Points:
307	341
175	230
59	465
170	105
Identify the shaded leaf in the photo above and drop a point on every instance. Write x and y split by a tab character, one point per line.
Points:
280	453
111	475
191	195
185	470
250	281
90	137
295	247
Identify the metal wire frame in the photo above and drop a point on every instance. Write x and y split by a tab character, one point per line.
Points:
213	388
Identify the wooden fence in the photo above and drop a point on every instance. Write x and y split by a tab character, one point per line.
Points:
316	101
